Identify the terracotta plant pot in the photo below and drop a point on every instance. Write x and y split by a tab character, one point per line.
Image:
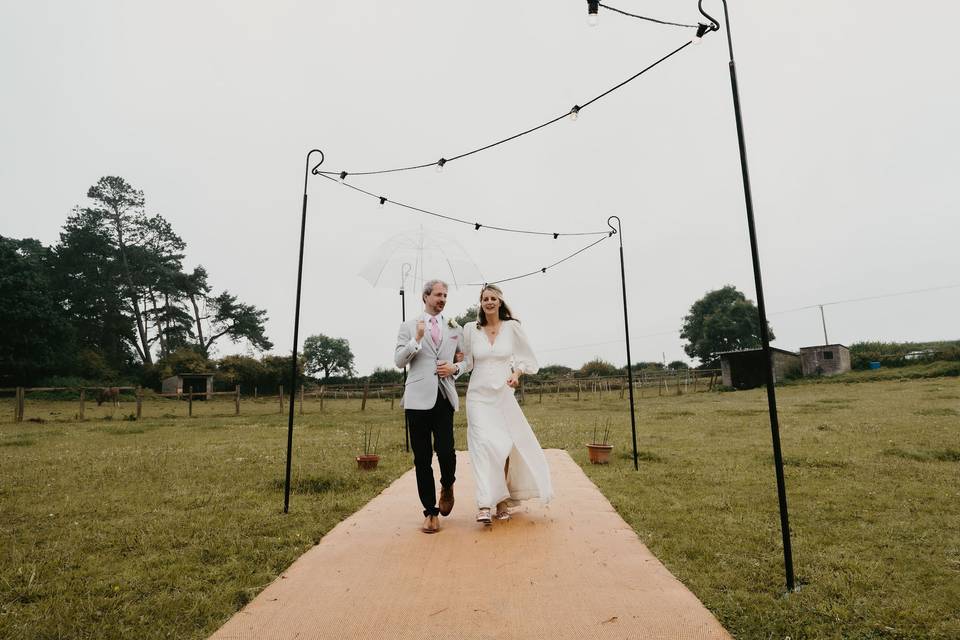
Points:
599	453
368	462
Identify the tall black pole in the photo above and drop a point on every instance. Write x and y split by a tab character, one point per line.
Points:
626	331
406	425
296	333
761	307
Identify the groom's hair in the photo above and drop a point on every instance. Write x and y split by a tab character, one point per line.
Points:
430	284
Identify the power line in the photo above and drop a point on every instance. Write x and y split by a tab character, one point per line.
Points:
573	112
878	297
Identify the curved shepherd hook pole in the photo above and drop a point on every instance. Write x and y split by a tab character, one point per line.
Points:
626	329
761	307
296	330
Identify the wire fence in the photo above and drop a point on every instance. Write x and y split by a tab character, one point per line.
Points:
77	404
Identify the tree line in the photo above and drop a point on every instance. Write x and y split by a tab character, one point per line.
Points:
112	298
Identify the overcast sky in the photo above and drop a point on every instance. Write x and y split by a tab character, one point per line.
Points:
850	112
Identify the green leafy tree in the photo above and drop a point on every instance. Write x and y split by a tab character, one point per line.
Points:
139	253
470	315
649	366
36	336
677	365
326	355
597	367
722	320
237	321
555	371
386	376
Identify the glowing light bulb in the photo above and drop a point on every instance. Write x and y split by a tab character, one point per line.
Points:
574	112
592	20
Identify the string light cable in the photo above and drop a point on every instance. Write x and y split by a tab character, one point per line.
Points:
572	114
383	201
608	234
633	15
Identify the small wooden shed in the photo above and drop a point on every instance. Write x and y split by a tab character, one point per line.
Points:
825	360
746	369
200	384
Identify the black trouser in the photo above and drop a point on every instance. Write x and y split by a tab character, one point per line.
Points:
437	422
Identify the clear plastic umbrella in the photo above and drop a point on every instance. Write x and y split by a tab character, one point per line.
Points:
413	257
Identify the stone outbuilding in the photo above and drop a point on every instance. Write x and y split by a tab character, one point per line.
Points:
201	384
746	369
825	360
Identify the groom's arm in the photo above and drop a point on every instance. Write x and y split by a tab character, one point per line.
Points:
407	347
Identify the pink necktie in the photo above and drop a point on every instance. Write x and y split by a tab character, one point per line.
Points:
435	331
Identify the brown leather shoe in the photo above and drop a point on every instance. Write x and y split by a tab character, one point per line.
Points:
446	500
431	524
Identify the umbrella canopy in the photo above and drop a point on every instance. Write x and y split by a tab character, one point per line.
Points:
413	257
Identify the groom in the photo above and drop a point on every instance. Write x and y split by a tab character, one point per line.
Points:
429	344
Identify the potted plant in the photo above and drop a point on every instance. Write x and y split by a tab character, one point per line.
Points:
368	461
599	450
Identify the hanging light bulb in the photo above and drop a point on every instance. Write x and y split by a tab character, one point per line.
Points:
592	17
343	176
440	163
383	201
702	29
574	112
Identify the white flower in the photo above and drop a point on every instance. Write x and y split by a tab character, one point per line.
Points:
452	324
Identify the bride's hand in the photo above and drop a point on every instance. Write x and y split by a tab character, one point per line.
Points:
514	380
458	356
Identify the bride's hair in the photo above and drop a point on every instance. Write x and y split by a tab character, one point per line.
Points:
504	311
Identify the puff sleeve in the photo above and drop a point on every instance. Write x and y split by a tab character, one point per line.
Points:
523	359
467	347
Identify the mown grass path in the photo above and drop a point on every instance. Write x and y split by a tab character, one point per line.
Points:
164	528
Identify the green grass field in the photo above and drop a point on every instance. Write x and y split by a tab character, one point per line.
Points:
163	528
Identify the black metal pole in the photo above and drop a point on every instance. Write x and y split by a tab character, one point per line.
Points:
406	424
761	307
296	333
626	331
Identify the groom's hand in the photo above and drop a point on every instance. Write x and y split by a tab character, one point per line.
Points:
445	369
421	329
458	356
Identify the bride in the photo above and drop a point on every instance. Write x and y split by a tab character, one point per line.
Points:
508	463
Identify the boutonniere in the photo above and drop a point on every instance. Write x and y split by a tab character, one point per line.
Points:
452	324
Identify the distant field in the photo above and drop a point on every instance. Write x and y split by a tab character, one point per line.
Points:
163	528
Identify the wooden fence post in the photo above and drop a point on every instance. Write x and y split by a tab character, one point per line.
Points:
694	380
139	402
82	398
678	382
578	391
301	399
366	391
281	399
393	395
322	390
236	409
254	393
541	393
190	404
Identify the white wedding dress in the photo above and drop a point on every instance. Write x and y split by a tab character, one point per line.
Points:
496	427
